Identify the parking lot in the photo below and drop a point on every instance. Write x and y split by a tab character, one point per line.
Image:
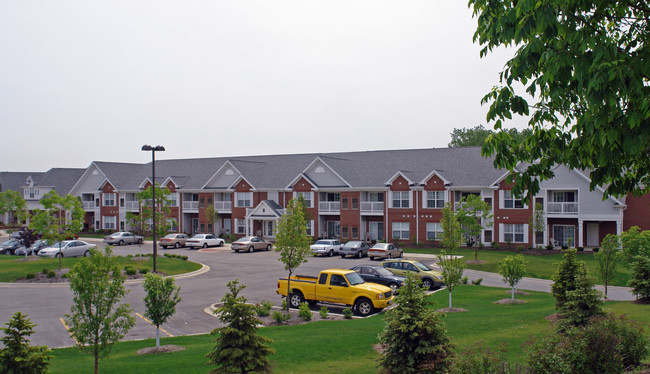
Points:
46	304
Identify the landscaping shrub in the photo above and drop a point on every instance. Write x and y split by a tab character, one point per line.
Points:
477	282
347	313
30	276
580	249
45	271
129	256
494	245
51	274
479	360
464	280
284	304
565	247
129	271
263	309
144	271
304	312
549	247
596	249
520	248
184	258
281	317
323	312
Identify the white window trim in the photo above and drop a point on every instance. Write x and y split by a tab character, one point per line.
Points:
502	199
410	198
437	232
310	200
250	199
401	229
109	222
502	236
105	196
425	199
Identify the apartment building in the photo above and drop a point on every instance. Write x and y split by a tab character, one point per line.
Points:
374	195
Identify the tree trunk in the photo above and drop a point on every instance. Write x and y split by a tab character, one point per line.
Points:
449	299
96	363
288	291
157	337
60	257
512	293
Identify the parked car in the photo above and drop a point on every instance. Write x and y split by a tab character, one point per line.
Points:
69	248
430	278
378	274
384	250
123	237
37	246
326	247
204	241
10	247
173	240
356	248
250	244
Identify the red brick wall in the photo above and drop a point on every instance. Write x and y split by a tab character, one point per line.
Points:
510	216
351	217
637	212
401	214
109	210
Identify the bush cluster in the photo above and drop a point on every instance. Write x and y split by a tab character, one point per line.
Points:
143	271
304	312
51	274
279	317
30	276
171	255
347	313
263	309
323	312
128	270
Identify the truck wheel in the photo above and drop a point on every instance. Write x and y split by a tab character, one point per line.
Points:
364	307
295	299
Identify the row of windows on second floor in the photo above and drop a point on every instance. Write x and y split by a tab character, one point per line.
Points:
368	203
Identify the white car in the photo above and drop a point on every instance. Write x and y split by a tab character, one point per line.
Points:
69	248
326	247
204	241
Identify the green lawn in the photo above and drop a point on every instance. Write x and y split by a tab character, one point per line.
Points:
543	267
346	346
15	267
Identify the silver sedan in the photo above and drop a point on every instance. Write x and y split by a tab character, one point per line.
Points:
69	248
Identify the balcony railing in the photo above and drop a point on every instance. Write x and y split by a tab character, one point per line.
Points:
132	205
223	206
191	206
329	207
372	207
562	208
89	205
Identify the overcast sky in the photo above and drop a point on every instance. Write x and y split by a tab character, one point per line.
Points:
95	80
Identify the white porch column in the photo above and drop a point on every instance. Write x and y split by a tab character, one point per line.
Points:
580	231
619	227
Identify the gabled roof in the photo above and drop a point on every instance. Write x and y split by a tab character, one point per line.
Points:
266	209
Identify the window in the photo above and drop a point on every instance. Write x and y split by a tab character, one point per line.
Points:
355	232
564	235
401	199
244	199
227	225
435	199
344	232
510	202
434	231
173	199
513	233
202	204
310	228
355	203
401	230
202	227
487	236
308	196
122	203
241	226
109	199
564	196
109	222
376	196
344	203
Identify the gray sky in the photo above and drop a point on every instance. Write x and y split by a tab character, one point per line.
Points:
95	80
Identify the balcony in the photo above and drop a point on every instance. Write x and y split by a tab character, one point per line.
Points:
132	205
223	206
372	207
89	205
569	209
329	207
190	206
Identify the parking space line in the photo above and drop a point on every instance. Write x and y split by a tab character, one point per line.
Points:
149	322
68	330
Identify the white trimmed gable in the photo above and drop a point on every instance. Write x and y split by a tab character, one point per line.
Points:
322	175
431	175
263	210
399	173
224	178
91	181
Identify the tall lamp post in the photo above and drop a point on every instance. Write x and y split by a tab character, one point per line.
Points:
153	150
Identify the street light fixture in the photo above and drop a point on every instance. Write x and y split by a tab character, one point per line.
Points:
153	150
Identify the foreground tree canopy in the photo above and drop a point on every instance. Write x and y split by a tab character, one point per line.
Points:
586	65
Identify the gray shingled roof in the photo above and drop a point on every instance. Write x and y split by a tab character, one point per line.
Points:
14	181
62	179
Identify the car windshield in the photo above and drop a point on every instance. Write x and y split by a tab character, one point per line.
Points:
116	234
170	236
244	239
384	272
380	246
352	244
323	242
198	236
11	242
354	278
422	266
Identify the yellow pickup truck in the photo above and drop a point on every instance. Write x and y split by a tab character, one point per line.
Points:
337	286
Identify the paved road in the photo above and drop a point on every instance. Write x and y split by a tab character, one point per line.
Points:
46	304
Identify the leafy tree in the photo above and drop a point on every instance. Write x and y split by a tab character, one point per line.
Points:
27	237
160	300
12	202
608	258
585	64
512	268
635	243
640	281
537	220
292	241
474	214
211	214
61	218
142	222
565	278
452	271
583	302
96	319
476	136
414	337
452	235
239	348
18	356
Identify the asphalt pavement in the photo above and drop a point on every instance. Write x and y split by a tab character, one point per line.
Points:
46	304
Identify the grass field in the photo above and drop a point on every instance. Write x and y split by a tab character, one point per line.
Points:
537	266
15	267
346	346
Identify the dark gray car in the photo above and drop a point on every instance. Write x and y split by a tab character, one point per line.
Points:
10	247
356	248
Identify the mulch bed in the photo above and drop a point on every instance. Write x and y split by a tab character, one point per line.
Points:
451	310
42	278
162	349
510	301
